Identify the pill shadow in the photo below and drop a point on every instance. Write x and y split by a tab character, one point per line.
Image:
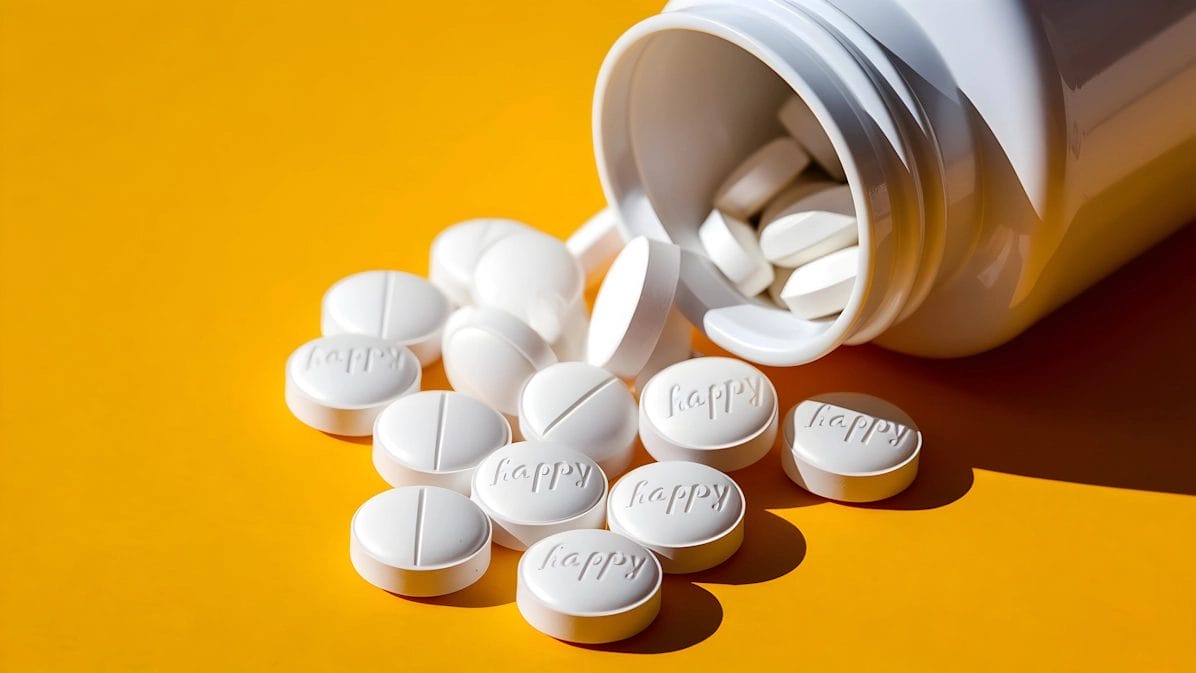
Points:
772	548
688	615
497	586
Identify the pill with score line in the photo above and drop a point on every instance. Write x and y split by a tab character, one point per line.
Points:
393	305
420	541
436	438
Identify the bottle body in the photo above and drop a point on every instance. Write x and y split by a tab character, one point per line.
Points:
1002	156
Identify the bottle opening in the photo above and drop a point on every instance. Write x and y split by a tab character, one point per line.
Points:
681	101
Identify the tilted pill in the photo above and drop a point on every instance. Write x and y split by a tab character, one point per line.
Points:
436	438
535	278
732	245
800	238
716	411
786	201
531	490
340	383
850	447
822	287
632	306
760	177
489	354
396	306
596	244
801	123
584	407
690	515
456	250
674	345
420	541
588	586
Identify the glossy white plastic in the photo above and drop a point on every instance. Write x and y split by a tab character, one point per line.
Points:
988	186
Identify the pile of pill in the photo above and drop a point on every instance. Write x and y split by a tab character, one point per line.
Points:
531	448
783	221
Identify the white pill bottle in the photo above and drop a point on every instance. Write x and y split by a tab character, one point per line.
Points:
1003	155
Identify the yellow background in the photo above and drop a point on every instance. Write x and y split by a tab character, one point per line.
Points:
181	182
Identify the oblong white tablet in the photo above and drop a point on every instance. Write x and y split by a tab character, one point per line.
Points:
801	123
420	541
716	411
436	438
850	447
531	490
822	287
584	407
760	177
455	253
674	345
535	278
689	514
632	306
800	238
596	244
489	354
588	586
732	245
784	202
394	305
340	383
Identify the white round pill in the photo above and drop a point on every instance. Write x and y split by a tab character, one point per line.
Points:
436	438
456	250
784	202
584	407
632	306
800	238
689	514
674	345
420	541
732	245
596	244
489	354
535	278
850	447
822	287
393	305
760	177
531	490
801	123
340	383
588	586
716	411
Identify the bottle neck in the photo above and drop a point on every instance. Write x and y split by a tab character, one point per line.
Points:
730	65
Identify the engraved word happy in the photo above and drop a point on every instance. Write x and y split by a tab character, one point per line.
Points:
681	498
595	564
353	360
717	398
858	426
542	476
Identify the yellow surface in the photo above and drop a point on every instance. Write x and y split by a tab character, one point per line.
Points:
180	183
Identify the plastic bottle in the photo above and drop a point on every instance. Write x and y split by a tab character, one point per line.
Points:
1003	155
